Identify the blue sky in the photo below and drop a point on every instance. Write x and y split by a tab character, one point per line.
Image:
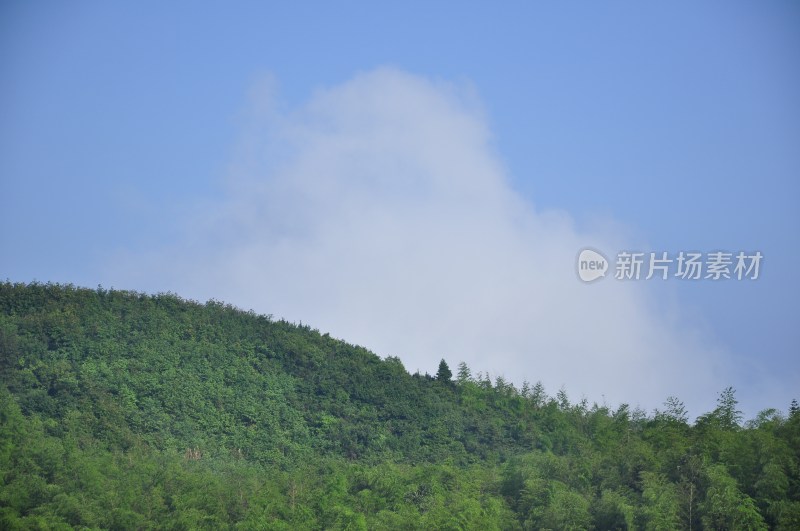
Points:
197	148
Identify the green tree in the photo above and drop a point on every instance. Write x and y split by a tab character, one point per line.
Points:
729	417
567	509
538	394
675	411
444	374
661	507
464	374
613	511
725	506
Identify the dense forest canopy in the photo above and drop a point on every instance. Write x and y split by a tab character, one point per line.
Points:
129	411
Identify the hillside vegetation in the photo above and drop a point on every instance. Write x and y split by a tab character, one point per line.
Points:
120	410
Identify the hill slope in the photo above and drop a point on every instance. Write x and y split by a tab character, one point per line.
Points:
123	410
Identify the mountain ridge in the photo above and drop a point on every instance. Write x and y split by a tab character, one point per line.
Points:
214	392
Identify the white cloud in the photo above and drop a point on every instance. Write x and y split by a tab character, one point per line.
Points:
378	212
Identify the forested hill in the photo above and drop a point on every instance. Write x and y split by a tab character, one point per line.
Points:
130	411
